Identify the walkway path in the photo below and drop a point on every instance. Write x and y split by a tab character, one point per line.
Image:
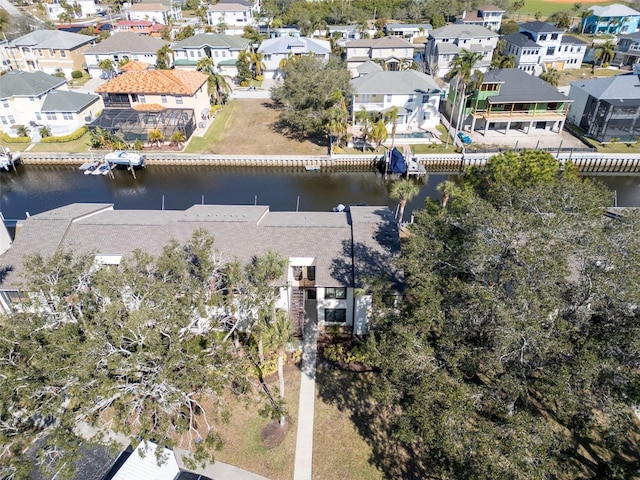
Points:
304	442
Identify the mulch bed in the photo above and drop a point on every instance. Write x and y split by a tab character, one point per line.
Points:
273	434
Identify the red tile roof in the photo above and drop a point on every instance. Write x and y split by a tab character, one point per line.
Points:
172	82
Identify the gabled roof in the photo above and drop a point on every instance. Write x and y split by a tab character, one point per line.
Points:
386	82
540	27
462	31
64	101
618	87
382	42
520	40
171	82
214	40
27	84
519	86
128	42
615	10
368	67
631	36
134	65
54	39
284	45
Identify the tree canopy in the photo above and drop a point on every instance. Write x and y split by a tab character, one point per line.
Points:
515	354
145	348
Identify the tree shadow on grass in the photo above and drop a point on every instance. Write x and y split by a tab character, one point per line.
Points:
282	128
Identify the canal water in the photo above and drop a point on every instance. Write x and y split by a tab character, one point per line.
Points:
34	189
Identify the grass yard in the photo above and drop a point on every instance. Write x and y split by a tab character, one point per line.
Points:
75	146
548	7
249	127
14	147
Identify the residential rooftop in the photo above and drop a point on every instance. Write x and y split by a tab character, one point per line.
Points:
215	40
52	39
462	31
614	10
172	82
540	27
128	42
382	42
617	87
386	82
284	44
64	101
519	86
17	83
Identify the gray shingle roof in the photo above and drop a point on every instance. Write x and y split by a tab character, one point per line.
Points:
520	39
129	42
618	87
518	86
573	40
382	42
398	26
240	232
284	44
386	82
27	84
615	10
540	27
462	31
54	39
368	67
63	101
213	40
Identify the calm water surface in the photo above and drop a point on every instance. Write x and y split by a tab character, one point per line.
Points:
35	189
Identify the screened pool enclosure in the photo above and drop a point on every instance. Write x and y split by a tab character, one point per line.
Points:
134	125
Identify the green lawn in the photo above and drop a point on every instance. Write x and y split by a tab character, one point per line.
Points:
14	147
75	146
78	82
546	8
214	133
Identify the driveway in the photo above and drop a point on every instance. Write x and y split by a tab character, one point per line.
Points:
89	87
264	91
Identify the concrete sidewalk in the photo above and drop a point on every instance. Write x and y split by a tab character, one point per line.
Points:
217	470
304	442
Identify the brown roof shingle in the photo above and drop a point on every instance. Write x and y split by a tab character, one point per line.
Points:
172	82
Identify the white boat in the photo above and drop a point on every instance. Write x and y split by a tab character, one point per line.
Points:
8	159
103	169
90	167
127	158
312	168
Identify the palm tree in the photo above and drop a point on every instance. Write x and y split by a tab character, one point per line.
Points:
219	87
45	131
178	138
551	76
508	62
123	62
256	60
403	191
603	52
462	67
107	67
337	125
391	116
584	16
155	136
22	131
279	336
164	57
205	65
64	17
379	133
364	117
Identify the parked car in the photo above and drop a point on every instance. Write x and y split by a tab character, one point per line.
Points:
466	139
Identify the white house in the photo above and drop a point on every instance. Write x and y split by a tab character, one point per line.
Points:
123	46
277	49
35	99
154	12
86	8
392	51
416	96
408	31
557	50
328	253
231	16
222	49
445	44
488	16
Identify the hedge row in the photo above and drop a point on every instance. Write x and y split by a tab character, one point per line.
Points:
67	138
9	139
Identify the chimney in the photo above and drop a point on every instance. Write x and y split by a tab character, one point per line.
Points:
464	14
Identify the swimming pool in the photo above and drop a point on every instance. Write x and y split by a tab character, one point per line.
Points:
414	135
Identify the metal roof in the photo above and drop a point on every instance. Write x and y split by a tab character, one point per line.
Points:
386	82
53	39
17	83
618	87
128	42
519	86
63	101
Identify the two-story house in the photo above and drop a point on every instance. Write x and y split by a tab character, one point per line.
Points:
222	49
86	8
154	12
328	253
123	46
488	16
627	50
416	96
140	100
393	52
510	99
557	50
445	43
143	27
275	50
231	16
48	51
342	34
607	108
408	31
616	19
35	99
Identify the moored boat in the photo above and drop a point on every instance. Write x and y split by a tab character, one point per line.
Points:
8	160
128	158
89	167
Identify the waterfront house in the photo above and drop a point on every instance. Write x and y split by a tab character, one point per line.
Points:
138	101
627	51
488	16
222	49
54	8
395	53
408	31
331	255
35	99
445	43
613	19
143	27
123	46
154	12
607	108
48	51
275	50
231	16
510	99
415	95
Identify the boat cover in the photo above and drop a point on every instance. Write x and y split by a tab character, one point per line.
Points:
397	163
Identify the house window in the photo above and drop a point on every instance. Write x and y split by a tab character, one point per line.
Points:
51	116
311	294
335	315
38	116
267	57
297	273
63	54
338	293
389	98
32	99
425	98
40	52
67	115
3	120
12	120
5	103
52	52
163	98
141	98
192	53
311	273
179	100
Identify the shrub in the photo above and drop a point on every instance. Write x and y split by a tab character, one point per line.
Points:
67	138
214	109
260	78
9	139
244	83
76	74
